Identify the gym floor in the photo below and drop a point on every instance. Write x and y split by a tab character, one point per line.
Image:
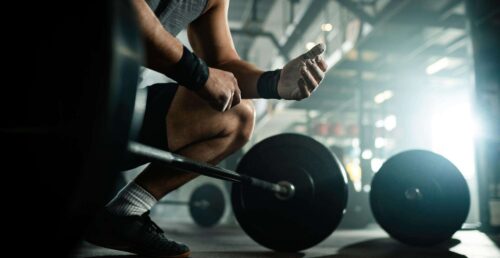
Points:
231	241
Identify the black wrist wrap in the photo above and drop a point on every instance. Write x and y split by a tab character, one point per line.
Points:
267	85
191	71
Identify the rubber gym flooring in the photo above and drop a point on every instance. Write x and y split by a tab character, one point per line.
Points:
230	241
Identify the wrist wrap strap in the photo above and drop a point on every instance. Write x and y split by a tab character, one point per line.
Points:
191	71
267	85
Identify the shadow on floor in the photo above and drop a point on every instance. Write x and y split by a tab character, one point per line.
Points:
389	248
222	255
375	248
118	256
264	254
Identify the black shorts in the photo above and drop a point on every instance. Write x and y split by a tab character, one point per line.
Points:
154	125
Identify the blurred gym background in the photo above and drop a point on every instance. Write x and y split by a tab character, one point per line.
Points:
401	76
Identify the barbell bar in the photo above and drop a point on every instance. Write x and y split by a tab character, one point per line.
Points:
284	190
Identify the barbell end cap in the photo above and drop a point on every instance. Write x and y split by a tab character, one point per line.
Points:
286	190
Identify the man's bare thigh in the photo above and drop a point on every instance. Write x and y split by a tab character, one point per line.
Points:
191	119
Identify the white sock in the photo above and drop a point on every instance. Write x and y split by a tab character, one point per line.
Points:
131	200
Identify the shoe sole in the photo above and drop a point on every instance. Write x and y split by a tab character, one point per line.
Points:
130	250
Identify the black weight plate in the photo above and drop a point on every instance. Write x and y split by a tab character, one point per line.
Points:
73	112
426	219
315	210
207	205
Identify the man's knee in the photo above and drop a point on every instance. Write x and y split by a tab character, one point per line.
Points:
245	113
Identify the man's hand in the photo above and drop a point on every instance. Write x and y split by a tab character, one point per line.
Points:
301	76
221	90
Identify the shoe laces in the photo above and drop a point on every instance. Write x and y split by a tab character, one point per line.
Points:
158	232
151	225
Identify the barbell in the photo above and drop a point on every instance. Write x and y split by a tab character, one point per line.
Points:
290	191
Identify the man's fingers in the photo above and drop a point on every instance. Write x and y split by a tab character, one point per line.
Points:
320	61
304	92
217	105
225	102
309	79
236	97
230	102
314	52
315	71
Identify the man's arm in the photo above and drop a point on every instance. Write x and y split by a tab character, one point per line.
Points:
167	55
162	49
211	39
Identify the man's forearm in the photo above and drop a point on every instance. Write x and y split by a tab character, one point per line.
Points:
247	75
162	49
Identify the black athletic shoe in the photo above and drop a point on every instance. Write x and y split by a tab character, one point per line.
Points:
135	234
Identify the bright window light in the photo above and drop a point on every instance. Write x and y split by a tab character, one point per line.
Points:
390	122
326	27
376	164
367	154
453	136
383	96
437	66
379	98
380	142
